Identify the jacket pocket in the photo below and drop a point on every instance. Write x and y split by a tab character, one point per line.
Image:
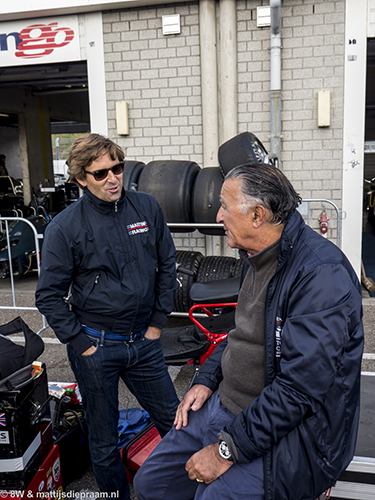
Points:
299	467
318	451
87	291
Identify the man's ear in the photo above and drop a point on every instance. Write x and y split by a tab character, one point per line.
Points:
82	183
259	215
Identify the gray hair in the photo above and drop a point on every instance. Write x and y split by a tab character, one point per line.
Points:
266	185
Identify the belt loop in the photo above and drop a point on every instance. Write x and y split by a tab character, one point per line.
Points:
131	337
102	336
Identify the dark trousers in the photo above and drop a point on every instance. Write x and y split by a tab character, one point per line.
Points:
140	364
163	475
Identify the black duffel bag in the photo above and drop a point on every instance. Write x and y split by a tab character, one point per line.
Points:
16	359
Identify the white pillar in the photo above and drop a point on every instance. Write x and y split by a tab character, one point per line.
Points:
228	70
210	114
210	103
96	73
354	130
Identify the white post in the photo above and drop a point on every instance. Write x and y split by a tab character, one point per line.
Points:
210	114
96	73
228	70
354	130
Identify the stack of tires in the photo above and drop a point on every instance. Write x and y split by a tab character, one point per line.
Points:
185	192
205	269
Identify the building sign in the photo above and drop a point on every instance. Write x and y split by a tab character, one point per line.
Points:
37	41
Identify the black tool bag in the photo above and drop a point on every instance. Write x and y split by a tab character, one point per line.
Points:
71	435
15	359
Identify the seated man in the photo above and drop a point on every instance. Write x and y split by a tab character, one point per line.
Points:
275	409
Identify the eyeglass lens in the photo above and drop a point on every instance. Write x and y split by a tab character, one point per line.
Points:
100	175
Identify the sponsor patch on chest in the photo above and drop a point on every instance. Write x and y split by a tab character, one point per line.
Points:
137	227
278	335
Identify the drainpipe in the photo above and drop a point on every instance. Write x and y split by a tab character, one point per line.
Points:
210	113
275	90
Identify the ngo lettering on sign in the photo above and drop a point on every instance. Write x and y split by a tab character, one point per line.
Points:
38	41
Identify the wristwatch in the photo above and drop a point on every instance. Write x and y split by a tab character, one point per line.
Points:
224	451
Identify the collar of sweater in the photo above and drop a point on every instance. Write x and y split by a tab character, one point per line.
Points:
267	255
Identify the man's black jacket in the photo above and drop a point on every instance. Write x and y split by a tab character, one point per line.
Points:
119	258
305	421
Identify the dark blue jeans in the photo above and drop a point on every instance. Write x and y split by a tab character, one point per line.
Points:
163	475
141	366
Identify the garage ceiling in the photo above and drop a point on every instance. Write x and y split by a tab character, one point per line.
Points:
46	78
62	79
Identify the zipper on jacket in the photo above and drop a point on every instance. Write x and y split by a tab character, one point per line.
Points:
125	243
270	356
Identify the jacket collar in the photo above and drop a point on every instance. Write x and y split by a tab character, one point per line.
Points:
290	235
104	207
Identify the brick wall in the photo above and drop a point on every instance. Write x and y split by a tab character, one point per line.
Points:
159	76
312	38
313	60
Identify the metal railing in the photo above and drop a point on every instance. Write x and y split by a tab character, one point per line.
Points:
5	221
307	201
304	209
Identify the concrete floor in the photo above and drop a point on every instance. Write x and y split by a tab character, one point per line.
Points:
58	369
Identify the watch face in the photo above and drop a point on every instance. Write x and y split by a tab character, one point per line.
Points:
224	450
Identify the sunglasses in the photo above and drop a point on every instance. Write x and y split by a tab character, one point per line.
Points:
100	175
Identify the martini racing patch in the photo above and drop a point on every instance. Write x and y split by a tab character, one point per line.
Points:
137	227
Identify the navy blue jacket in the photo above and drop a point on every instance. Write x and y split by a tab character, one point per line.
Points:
119	258
305	421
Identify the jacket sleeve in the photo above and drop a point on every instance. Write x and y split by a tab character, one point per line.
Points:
324	314
165	282
210	374
56	274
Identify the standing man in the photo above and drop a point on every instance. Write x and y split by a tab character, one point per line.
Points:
113	251
274	411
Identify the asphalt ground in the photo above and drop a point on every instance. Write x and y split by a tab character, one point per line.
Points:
58	369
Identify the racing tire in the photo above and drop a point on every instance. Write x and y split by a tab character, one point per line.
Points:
190	261
241	149
217	268
237	268
171	183
206	198
132	171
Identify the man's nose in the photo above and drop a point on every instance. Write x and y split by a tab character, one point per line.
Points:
111	176
219	215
